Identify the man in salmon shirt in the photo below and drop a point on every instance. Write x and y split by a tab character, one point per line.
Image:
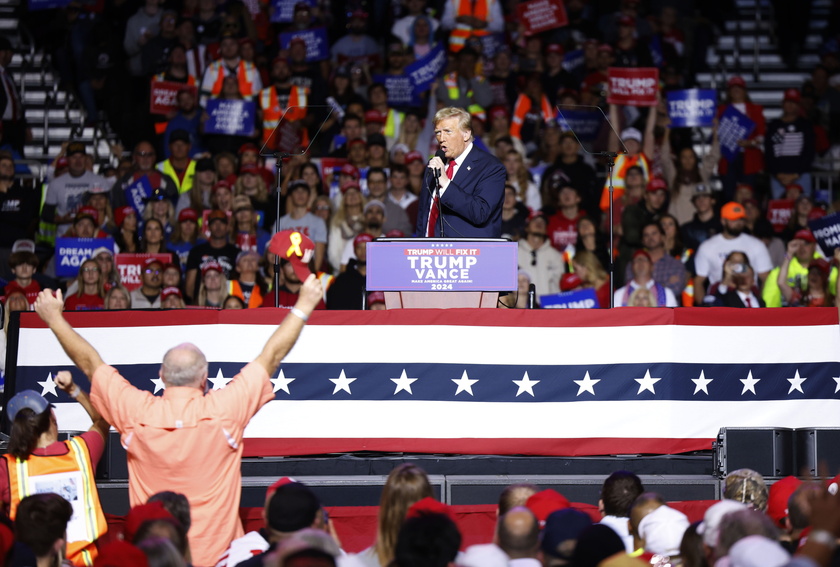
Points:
189	440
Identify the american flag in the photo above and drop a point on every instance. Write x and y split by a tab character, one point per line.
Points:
485	381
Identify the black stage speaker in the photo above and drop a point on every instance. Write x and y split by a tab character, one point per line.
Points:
768	451
816	452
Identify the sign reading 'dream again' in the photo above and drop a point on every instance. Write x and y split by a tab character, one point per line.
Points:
633	86
430	265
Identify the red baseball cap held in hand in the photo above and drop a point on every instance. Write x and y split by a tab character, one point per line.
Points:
295	247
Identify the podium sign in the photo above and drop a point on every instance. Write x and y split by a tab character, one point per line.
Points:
439	264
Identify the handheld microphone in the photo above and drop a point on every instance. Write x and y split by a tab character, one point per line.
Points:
440	154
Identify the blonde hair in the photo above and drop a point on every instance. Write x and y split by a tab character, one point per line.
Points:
596	272
464	118
406	485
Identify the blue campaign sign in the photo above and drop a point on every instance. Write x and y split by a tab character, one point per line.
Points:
47	4
692	107
733	127
584	123
71	252
137	193
230	117
572	60
317	45
426	69
283	11
827	232
400	90
579	299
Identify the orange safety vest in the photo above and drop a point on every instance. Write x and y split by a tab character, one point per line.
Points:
254	301
478	9
622	163
522	107
160	127
71	476
273	112
243	77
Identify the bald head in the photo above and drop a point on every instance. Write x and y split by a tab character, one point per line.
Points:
184	365
519	533
515	495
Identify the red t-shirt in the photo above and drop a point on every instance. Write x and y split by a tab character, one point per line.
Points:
31	291
85	302
562	231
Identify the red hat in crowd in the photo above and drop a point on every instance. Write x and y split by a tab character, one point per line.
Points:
120	554
429	505
363	237
375	116
644	253
149	261
498	110
249	147
61	163
297	39
413	156
223	184
121	213
628	21
188	215
88	212
657	184
249	168
792	95
395	233
211	265
295	247
806	235
375	297
350	185
169	292
144	513
570	281
555	48
356	142
777	498
277	484
543	503
216	214
351	170
736	81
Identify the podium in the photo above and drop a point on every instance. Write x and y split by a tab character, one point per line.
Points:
441	273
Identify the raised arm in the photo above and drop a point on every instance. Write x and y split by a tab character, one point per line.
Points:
286	335
49	308
649	140
64	380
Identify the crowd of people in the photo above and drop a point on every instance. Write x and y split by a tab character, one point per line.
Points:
204	204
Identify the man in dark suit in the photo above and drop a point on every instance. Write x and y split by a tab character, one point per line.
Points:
472	184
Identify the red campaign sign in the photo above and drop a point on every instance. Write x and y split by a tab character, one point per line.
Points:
778	213
163	96
131	266
540	15
633	86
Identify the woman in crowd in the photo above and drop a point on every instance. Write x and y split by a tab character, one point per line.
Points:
160	208
222	197
252	185
204	180
153	240
514	214
233	302
100	202
590	270
91	291
406	485
214	286
592	240
171	298
185	235
171	276
815	291
34	452
322	208
410	131
684	174
347	223
421	40
802	211
226	166
244	230
751	159
126	237
519	176
118	298
673	239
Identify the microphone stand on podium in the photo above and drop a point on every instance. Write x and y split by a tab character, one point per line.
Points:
270	149
610	157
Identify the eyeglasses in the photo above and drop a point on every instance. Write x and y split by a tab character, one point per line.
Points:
89	270
150	271
322	208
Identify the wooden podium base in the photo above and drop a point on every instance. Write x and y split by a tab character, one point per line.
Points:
440	299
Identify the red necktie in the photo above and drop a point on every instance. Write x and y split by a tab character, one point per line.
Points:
749	303
433	213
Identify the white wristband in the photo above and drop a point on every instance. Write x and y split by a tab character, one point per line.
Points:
298	313
824	538
75	393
